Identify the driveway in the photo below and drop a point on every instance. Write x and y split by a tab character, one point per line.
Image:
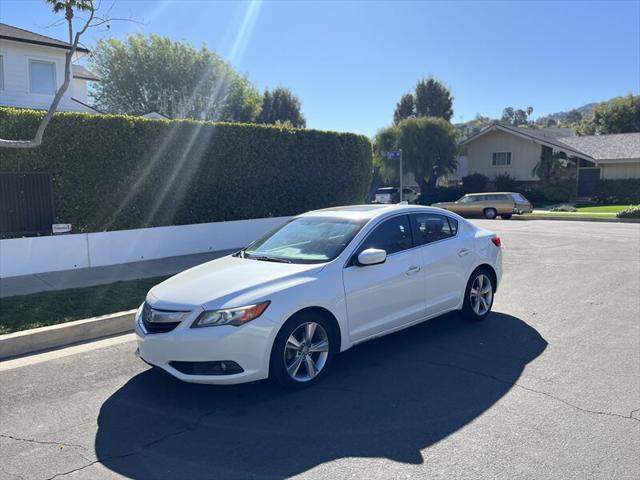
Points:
547	387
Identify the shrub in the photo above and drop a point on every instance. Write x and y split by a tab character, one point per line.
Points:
564	208
440	194
505	183
475	182
617	192
115	172
558	192
631	212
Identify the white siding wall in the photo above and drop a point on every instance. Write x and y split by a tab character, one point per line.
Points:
524	155
16	92
617	171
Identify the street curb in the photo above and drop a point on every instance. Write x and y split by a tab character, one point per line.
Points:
578	219
64	334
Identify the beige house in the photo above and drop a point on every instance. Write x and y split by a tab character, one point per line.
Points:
504	149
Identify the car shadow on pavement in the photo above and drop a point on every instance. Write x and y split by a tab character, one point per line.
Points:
391	398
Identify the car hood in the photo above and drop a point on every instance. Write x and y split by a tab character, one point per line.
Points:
227	281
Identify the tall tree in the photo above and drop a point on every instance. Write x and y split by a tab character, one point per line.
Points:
405	108
429	147
433	99
507	115
620	115
520	118
430	99
281	106
154	73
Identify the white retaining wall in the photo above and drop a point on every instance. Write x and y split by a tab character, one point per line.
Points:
23	256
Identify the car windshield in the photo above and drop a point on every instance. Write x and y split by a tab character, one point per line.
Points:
469	199
305	240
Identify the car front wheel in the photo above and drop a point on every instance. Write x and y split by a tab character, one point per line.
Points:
302	351
478	297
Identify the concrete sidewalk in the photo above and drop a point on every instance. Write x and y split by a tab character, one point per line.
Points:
86	277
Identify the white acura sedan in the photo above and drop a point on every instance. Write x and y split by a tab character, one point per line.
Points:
318	285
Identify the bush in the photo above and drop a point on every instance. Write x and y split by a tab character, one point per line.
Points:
631	212
564	208
558	192
617	192
505	183
475	182
440	194
115	172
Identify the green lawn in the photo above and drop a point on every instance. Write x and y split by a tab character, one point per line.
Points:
574	215
603	209
50	308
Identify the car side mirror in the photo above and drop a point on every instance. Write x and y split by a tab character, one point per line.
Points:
372	256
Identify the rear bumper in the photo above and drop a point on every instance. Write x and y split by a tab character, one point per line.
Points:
248	346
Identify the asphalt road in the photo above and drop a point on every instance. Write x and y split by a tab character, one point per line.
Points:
547	387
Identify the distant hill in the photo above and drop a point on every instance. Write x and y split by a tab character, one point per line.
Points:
474	126
585	111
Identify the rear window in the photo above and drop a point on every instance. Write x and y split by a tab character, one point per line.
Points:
519	198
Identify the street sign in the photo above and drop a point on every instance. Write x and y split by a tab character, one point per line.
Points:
394	155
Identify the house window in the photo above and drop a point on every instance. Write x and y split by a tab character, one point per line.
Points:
42	77
501	159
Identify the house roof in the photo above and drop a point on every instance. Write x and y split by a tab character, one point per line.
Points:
548	139
81	72
9	32
621	146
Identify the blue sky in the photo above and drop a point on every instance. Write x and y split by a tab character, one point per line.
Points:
349	62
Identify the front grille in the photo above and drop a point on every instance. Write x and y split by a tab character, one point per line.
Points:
155	327
225	367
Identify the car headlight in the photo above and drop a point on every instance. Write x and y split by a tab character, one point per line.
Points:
230	316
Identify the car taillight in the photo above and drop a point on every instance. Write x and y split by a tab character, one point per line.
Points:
496	241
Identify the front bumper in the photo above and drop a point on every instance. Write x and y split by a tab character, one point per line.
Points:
249	346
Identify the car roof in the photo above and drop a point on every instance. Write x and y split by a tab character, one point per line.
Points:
490	193
369	211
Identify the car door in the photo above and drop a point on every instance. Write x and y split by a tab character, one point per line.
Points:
446	256
388	295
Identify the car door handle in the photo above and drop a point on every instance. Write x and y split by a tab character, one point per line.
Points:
413	270
463	252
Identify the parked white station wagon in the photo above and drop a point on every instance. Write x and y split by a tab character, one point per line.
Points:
318	285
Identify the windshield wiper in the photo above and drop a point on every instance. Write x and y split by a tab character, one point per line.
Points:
264	258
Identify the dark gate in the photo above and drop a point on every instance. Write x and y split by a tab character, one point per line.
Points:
26	203
587	181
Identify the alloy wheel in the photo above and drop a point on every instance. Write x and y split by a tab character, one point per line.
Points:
306	351
481	294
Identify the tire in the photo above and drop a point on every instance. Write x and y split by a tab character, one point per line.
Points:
490	213
284	367
472	308
506	216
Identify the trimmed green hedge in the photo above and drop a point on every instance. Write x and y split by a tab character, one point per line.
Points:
113	172
617	192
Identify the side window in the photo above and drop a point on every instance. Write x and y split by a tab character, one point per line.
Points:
431	227
393	236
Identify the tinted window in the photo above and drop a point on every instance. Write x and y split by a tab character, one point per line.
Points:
393	236
431	227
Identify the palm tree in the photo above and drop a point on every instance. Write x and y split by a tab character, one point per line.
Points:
549	163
